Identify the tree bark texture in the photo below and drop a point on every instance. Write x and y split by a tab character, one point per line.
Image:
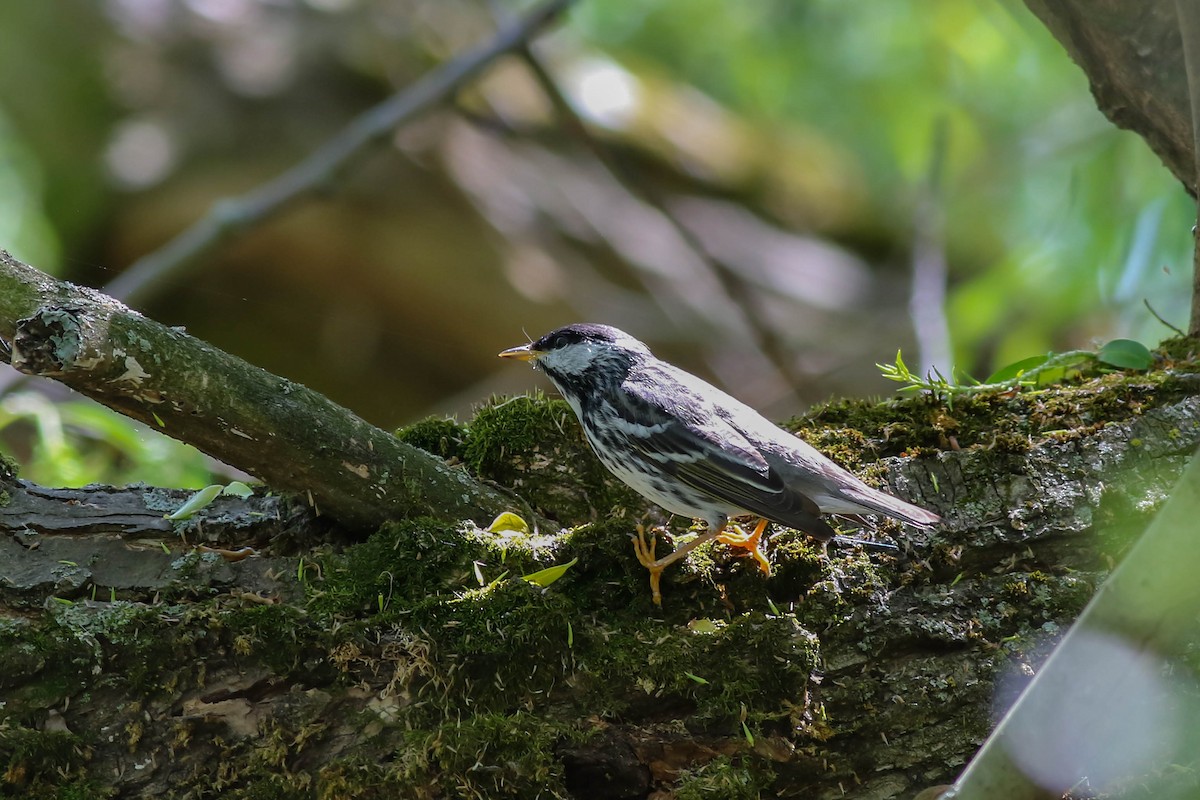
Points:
420	664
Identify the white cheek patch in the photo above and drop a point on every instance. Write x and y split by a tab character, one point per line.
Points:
573	360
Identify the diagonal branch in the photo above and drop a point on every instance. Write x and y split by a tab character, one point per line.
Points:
232	216
742	303
289	436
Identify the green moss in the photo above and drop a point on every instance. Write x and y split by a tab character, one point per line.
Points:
357	779
1012	421
36	761
137	646
408	561
8	472
486	756
722	669
1178	349
444	438
41	665
536	447
725	778
496	648
279	636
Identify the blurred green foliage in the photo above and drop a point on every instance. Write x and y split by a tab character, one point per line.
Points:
77	442
1058	225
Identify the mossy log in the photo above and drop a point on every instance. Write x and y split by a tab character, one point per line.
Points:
419	664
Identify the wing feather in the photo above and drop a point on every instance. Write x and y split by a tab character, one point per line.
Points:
674	428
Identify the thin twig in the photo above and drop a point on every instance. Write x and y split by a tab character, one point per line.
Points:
765	339
1187	12
927	294
232	216
1158	317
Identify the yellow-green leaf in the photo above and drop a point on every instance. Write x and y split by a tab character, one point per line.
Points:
545	577
238	489
703	626
508	521
196	502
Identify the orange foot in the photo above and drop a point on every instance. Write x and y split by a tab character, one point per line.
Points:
645	556
736	537
644	548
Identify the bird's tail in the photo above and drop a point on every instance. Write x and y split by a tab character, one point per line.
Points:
882	503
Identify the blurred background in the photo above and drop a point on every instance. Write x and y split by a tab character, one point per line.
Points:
775	195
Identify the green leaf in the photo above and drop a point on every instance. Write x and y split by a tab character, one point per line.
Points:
238	489
508	521
1016	369
545	577
696	678
196	502
1126	354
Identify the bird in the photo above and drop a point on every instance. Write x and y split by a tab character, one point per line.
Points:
695	450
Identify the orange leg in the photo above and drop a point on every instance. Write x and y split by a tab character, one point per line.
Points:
645	555
748	541
644	548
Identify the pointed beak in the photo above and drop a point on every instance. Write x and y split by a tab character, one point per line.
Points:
525	353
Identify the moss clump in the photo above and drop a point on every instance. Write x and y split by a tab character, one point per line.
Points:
486	756
442	437
37	762
725	778
41	665
138	645
752	665
536	447
8	472
1009	420
499	647
406	562
281	637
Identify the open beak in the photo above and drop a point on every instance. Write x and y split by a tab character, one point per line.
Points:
525	353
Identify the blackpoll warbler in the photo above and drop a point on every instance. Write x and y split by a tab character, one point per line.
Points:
693	449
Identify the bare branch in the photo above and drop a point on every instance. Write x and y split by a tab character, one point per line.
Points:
927	295
741	305
232	216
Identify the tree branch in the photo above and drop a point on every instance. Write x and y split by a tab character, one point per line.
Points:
232	216
1189	32
741	302
1132	57
289	436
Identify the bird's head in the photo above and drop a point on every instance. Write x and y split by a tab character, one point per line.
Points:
581	353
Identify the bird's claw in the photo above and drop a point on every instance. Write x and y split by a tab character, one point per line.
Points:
734	536
645	555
